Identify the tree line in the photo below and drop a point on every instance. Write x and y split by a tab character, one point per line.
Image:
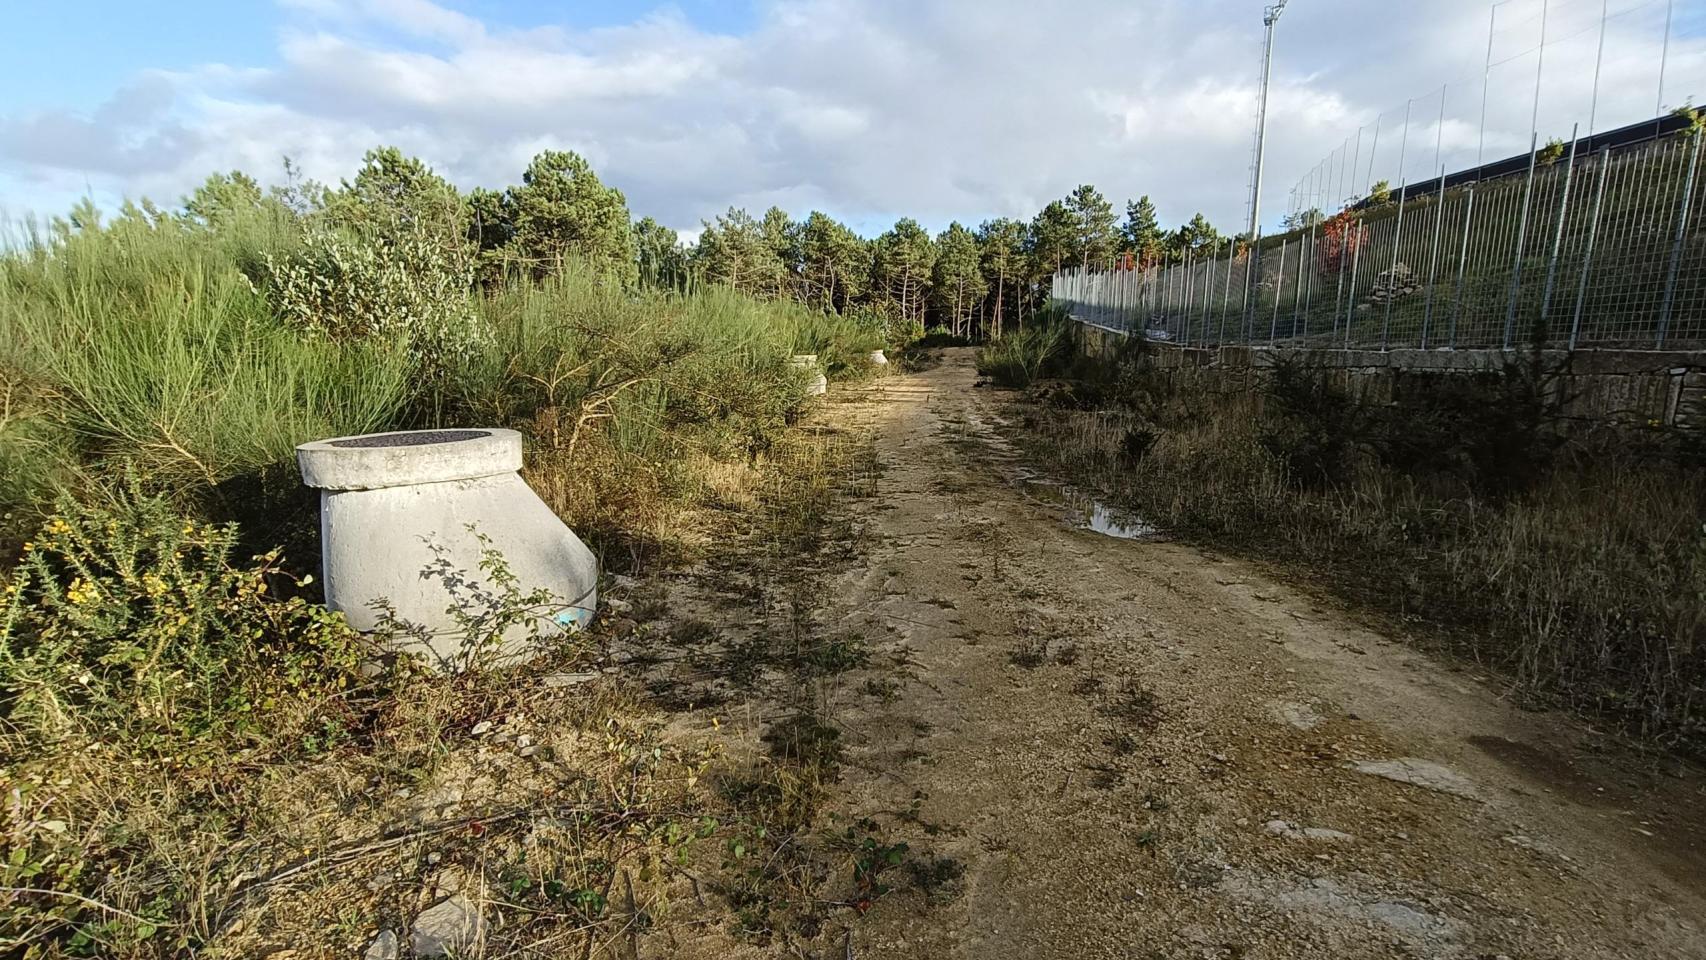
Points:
968	281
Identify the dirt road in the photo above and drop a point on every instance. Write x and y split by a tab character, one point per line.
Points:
1134	749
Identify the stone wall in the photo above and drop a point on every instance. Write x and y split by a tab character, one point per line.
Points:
1649	388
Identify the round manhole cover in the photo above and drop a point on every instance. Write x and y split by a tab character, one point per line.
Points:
420	438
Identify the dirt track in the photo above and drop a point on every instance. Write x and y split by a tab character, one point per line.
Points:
1137	749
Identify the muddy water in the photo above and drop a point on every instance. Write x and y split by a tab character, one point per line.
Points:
1085	512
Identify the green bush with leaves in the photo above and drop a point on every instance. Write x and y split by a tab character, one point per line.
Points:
402	286
130	622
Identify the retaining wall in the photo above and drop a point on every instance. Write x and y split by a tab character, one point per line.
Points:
1647	388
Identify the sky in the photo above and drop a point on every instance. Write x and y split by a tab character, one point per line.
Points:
869	110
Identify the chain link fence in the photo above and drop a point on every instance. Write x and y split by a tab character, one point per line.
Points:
1603	249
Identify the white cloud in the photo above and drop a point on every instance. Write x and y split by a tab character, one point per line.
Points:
870	110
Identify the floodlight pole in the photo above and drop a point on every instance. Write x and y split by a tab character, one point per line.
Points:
1270	16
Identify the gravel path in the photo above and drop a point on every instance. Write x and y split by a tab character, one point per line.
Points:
1136	749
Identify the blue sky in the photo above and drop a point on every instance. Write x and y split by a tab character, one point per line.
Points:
867	109
74	54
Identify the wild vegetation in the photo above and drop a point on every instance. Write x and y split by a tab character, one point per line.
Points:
188	739
1571	562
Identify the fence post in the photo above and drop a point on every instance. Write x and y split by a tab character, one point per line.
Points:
1521	241
1392	274
1462	267
1593	237
1226	296
1207	295
1245	309
1339	293
1558	235
1279	288
1433	259
1677	244
1356	262
1297	288
1190	291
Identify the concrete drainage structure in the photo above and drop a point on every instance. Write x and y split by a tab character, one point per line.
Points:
405	522
819	384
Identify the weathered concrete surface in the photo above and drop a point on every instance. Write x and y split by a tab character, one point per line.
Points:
405	527
1634	388
819	384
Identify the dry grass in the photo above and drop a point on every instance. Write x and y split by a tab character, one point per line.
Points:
1586	586
578	819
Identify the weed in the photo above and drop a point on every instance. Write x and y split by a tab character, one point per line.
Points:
1030	654
1134	704
938	876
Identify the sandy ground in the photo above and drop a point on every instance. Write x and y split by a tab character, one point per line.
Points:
1138	749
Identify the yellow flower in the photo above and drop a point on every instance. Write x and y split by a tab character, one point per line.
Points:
81	591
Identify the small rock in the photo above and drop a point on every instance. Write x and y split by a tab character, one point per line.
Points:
382	947
524	741
527	751
558	680
1421	773
1280	828
617	606
450	926
481	728
1299	715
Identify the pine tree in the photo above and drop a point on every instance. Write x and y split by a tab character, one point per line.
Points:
662	261
781	235
563	210
1002	244
958	277
1142	231
735	251
1094	237
1051	240
393	195
835	264
1195	239
902	264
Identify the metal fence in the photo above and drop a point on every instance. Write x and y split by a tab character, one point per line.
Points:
1606	249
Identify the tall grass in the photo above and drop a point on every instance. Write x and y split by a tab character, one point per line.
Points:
1041	348
147	345
1579	575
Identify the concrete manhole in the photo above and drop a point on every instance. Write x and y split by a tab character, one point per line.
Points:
408	521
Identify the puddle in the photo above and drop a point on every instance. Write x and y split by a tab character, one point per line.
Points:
1086	512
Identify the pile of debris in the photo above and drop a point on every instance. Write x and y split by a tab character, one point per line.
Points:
1394	284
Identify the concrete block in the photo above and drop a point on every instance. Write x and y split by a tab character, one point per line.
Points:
402	517
818	385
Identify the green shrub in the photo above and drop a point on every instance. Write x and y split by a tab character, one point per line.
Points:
402	285
1020	358
130	622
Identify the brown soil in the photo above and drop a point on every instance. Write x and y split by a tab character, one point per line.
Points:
1102	735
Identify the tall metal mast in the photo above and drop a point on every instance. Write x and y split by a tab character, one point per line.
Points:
1270	17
